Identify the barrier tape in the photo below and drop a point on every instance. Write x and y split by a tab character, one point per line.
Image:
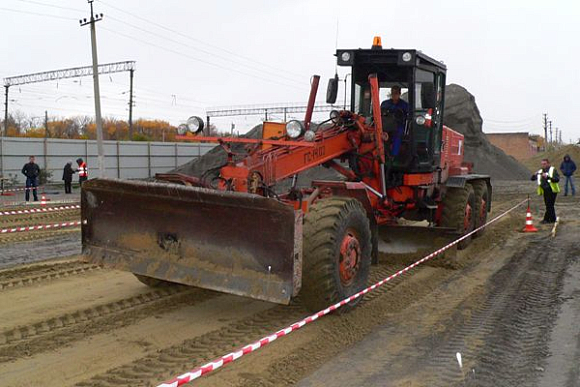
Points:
43	187
37	210
22	189
220	362
6	205
40	227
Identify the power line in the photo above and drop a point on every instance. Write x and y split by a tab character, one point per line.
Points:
202	50
36	14
150	22
197	59
157	93
50	5
528	119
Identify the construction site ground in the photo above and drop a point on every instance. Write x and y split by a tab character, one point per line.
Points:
510	304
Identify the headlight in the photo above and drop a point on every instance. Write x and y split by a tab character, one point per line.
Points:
309	135
406	56
335	116
294	129
420	120
182	129
345	56
194	124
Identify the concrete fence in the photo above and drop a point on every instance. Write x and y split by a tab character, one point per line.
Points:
123	159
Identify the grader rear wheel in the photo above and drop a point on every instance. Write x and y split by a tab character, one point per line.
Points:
481	205
458	212
337	252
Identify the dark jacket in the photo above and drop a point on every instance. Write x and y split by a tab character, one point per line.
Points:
567	167
68	172
31	170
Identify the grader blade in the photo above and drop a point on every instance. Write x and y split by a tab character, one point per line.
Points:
230	242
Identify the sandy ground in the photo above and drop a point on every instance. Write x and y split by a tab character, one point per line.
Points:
31	246
507	303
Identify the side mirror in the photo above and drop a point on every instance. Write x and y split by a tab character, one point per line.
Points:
428	100
332	90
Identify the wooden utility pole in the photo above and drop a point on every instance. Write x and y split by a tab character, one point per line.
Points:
98	119
545	130
46	135
4	132
131	104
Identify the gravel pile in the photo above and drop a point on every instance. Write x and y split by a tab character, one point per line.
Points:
462	115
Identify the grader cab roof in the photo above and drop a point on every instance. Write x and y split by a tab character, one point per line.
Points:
379	56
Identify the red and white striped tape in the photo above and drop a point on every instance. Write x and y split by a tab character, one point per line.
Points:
37	210
6	205
21	189
212	366
40	227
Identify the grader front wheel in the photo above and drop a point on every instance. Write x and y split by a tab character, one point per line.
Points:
337	252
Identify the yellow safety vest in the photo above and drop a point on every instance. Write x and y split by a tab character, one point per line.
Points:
553	185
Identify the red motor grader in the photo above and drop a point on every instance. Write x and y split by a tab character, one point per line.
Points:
236	230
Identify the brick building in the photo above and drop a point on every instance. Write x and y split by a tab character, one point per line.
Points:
520	145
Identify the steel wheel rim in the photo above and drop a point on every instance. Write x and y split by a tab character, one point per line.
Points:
467	218
349	258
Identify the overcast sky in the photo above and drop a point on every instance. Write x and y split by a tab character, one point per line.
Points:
519	58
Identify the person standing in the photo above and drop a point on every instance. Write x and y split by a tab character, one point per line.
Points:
32	171
568	167
82	170
548	178
67	175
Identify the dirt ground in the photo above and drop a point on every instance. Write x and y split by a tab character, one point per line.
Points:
509	304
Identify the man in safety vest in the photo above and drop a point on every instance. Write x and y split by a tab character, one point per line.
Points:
82	170
548	178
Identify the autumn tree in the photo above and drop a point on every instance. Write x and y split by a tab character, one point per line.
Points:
84	127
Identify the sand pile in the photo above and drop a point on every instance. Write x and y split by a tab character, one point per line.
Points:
462	115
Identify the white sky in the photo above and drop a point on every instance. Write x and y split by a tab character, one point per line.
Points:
519	58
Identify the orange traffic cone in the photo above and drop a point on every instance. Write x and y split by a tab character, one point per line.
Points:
529	223
43	200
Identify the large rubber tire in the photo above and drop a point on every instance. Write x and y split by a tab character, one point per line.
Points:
330	226
153	282
458	206
481	205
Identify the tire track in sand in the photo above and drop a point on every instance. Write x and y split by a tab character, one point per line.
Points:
170	361
32	275
52	333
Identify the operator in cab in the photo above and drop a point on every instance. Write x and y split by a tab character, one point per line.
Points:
397	109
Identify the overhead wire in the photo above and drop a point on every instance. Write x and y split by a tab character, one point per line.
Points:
37	14
145	98
254	68
50	5
151	22
196	59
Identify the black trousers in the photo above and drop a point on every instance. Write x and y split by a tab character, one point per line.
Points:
82	179
68	186
549	201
